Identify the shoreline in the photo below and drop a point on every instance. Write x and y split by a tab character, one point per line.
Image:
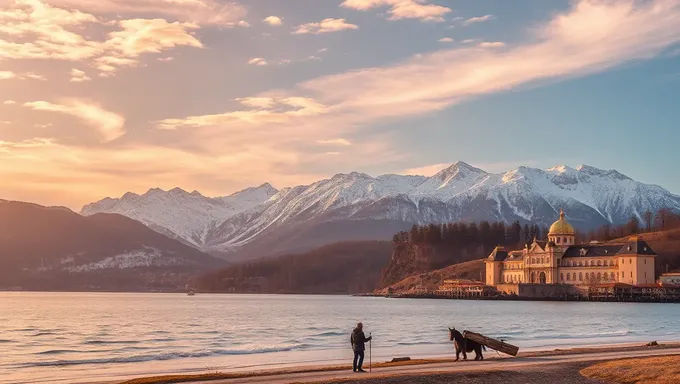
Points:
415	363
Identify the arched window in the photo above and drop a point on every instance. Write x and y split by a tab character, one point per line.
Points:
587	275
562	276
623	274
605	276
599	276
580	276
630	261
568	276
613	277
558	240
564	240
599	263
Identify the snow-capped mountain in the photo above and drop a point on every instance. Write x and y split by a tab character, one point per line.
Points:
181	215
357	206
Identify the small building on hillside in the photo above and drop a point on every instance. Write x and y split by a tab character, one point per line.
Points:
559	260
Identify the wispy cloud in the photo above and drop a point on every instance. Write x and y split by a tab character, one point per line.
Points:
479	19
9	102
6	75
338	141
108	124
590	37
402	9
324	26
78	76
492	44
257	61
446	40
263	111
209	12
273	20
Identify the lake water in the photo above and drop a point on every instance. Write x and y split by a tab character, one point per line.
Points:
89	337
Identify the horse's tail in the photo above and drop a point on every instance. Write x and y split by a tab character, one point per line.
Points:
484	347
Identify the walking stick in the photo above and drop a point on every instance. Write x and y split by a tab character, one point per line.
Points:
370	353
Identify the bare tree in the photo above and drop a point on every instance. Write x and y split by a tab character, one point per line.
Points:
662	217
648	218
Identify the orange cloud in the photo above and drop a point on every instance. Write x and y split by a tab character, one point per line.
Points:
324	26
108	124
402	9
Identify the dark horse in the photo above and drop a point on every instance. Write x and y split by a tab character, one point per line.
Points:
465	345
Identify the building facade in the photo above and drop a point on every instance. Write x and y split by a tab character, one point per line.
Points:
559	260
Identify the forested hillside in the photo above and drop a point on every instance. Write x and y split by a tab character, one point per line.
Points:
431	247
352	267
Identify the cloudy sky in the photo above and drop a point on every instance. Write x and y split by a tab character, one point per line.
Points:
102	97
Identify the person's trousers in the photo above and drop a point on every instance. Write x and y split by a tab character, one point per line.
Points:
358	360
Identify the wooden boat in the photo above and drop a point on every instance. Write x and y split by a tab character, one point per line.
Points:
498	345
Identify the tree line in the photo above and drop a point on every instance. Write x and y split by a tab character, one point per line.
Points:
460	234
664	219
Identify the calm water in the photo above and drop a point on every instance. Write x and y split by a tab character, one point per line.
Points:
86	337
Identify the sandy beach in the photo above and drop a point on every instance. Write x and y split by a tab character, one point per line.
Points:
555	366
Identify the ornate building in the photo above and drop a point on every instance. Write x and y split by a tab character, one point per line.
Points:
559	260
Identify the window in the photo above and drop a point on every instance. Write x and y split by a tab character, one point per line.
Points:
599	263
564	240
623	274
630	261
587	275
613	277
558	240
599	276
645	261
580	276
631	273
645	275
562	276
623	261
605	276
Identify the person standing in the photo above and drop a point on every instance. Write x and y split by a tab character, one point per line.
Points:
359	340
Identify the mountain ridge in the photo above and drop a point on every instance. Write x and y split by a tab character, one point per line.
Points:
460	192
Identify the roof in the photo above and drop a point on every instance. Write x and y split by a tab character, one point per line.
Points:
670	274
498	254
637	246
515	256
634	246
561	226
590	250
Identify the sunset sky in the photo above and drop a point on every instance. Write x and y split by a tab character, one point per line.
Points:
102	97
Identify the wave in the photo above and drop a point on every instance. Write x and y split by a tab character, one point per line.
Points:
47	333
168	356
58	351
330	333
105	342
3	341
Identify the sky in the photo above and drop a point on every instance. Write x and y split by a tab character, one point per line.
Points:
98	98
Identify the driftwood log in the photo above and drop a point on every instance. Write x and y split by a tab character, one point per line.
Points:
498	345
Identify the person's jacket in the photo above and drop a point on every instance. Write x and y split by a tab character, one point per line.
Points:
359	340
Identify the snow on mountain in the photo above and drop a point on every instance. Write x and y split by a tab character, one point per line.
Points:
181	215
590	196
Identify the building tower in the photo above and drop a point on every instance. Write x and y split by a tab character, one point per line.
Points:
561	233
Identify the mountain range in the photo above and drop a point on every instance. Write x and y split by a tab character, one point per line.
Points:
55	248
263	221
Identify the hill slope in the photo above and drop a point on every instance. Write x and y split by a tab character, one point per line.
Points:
352	267
55	248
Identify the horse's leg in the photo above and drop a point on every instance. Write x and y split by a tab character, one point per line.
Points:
457	352
481	355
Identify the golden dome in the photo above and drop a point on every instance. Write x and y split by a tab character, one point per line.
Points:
561	227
